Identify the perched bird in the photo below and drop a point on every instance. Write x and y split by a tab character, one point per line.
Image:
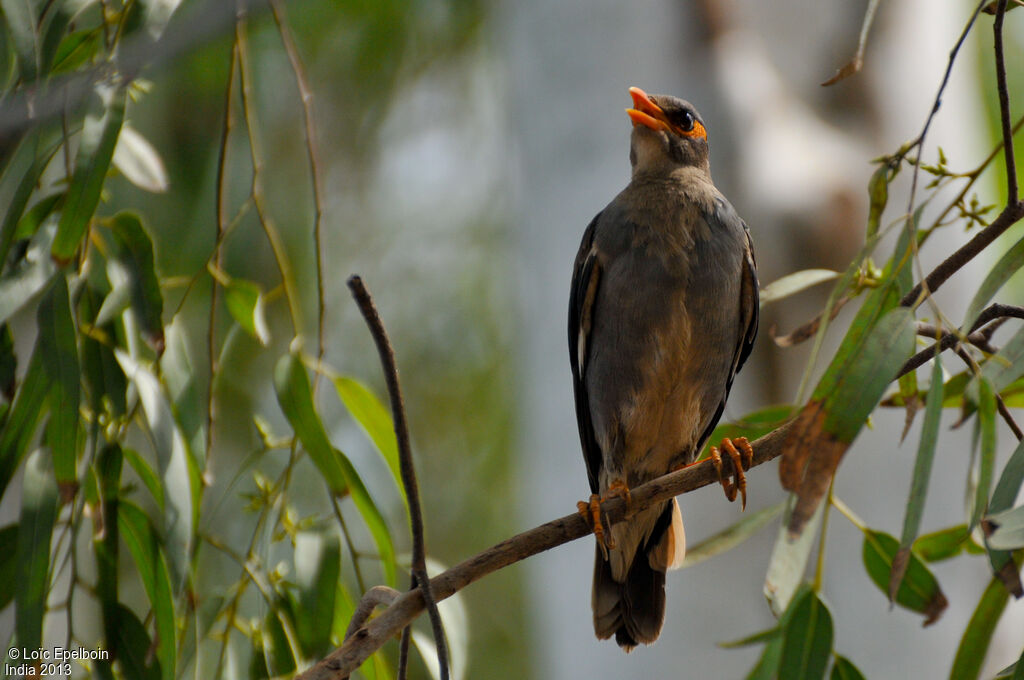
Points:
662	314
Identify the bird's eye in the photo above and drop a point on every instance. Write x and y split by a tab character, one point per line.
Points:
686	121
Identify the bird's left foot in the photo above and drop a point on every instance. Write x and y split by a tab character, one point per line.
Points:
742	456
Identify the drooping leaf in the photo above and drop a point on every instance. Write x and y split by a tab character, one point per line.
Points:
277	653
99	136
921	476
8	364
877	344
732	536
1007	489
375	419
789	561
792	284
247	304
104	380
133	250
20	285
22	20
843	669
919	591
767	667
34	218
58	343
133	645
20	427
372	516
970	655
8	567
105	540
986	451
807	639
943	544
35	528
753	639
1009	264
146	474
151	565
76	49
317	567
139	162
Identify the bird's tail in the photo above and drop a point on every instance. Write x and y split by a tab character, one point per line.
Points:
632	608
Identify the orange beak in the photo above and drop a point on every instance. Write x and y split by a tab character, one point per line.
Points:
645	112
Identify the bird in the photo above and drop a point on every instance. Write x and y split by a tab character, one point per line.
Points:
663	311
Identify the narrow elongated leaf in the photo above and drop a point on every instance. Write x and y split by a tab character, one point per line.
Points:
877	344
878	193
843	669
25	167
943	544
180	377
104	380
246	303
789	561
277	653
22	18
58	343
20	427
754	639
807	639
1010	481
99	136
20	285
146	474
970	655
919	591
133	645
151	564
1005	367
374	418
30	222
919	482
8	567
8	364
35	528
987	450
732	536
1009	264
767	667
177	467
139	162
317	567
133	249
1006	491
296	399
791	284
76	49
105	541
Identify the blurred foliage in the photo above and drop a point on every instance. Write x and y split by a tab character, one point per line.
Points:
158	262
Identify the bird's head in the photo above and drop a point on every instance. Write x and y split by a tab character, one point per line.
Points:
668	133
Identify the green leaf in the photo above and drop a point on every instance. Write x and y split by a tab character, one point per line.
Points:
296	399
792	284
1005	367
105	540
1010	481
182	488
970	655
139	162
987	452
99	136
20	285
943	544
807	639
878	193
58	343
1005	493
751	426
133	647
767	667
76	49
20	427
919	591
22	18
8	567
151	564
277	653
732	536
1009	264
754	639
32	220
8	364
843	669
133	251
105	382
35	528
247	304
789	561
922	474
317	568
23	170
375	419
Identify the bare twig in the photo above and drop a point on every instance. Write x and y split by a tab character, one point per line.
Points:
1004	105
306	97
420	579
979	335
376	596
366	640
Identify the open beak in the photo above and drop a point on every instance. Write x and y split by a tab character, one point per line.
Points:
645	112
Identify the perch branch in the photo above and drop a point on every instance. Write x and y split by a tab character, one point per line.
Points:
368	639
412	493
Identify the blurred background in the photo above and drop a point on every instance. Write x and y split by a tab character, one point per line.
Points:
464	147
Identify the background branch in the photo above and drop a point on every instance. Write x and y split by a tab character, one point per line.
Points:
368	639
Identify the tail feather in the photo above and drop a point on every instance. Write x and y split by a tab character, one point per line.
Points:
633	610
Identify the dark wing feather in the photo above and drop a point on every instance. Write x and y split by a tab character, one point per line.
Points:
586	277
749	303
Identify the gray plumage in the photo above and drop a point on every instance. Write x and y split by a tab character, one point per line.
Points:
662	314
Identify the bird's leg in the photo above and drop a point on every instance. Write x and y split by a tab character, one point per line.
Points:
742	456
591	512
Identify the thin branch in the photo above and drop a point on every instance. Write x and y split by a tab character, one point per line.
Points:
377	596
1004	104
979	335
419	564
366	640
306	97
